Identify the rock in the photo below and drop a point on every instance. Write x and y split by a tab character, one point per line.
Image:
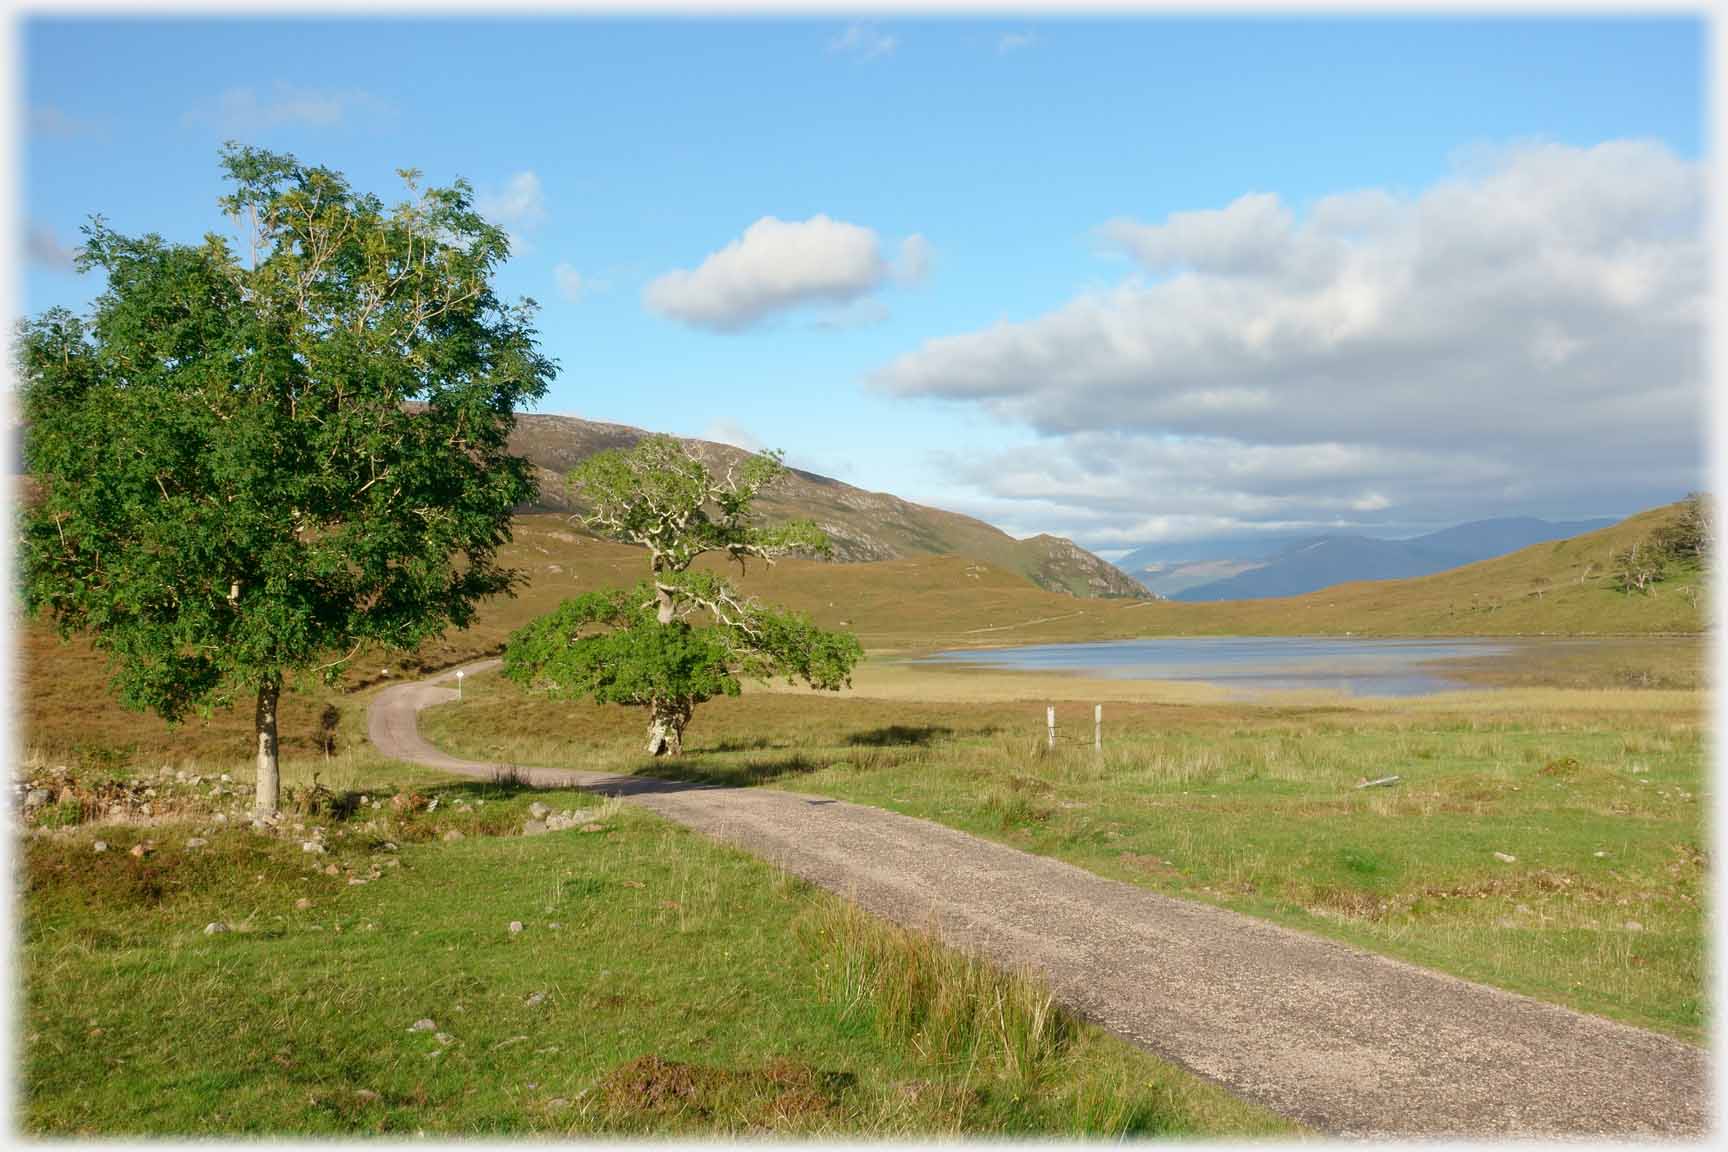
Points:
227	779
1505	858
35	798
220	818
515	927
536	999
388	846
593	827
196	842
423	1025
302	904
534	828
332	870
99	846
453	834
443	1037
139	850
215	927
311	846
538	810
1600	855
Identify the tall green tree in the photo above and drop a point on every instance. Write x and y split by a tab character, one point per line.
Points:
251	464
684	635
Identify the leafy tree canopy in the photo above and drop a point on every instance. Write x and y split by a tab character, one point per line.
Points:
252	463
685	635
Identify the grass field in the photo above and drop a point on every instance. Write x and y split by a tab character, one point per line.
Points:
732	1000
659	984
1598	795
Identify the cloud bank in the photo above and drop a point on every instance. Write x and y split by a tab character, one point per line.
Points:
1527	334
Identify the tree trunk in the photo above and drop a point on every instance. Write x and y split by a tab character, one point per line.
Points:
666	728
269	769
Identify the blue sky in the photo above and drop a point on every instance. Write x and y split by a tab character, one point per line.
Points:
1007	147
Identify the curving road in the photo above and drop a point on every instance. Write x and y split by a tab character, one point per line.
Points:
1349	1042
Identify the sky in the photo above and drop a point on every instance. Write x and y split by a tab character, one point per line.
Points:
1133	281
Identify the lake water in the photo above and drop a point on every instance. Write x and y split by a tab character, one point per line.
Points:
1252	664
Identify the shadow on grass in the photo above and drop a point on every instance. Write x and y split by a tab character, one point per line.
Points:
757	770
899	736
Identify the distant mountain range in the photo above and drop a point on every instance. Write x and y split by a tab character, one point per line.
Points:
1316	562
861	526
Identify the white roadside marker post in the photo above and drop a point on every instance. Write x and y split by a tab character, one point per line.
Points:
459	675
1097	727
1050	719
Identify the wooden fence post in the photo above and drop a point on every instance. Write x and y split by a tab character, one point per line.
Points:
1097	727
1050	719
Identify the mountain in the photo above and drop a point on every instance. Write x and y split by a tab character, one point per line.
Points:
1323	561
862	526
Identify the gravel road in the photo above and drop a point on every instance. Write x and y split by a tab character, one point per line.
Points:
1349	1042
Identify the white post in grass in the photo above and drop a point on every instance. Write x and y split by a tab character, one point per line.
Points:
1050	719
1097	727
459	675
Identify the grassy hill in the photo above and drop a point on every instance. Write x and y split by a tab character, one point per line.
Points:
862	526
925	603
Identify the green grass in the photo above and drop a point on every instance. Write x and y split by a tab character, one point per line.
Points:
1599	796
661	984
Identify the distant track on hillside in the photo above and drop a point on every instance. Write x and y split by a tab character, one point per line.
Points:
1349	1042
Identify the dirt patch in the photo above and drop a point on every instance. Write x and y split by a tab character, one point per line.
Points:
780	1093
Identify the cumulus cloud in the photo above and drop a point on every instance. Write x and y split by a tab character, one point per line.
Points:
777	265
518	207
723	431
1525	335
243	110
865	41
568	281
44	250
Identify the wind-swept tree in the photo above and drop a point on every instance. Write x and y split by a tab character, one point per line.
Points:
684	635
249	467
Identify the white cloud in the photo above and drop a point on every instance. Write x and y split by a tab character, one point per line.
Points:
519	207
774	266
916	255
520	203
242	111
1526	335
45	250
723	431
864	41
50	121
1014	41
569	282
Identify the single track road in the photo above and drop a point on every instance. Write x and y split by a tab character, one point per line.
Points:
1349	1042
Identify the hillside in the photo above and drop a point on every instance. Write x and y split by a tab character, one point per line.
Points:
862	526
1314	563
922	602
